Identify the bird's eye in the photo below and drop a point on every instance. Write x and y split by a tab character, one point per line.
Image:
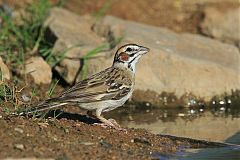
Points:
129	49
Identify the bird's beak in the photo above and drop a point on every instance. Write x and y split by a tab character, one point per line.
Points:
144	50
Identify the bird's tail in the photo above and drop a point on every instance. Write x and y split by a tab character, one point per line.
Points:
45	105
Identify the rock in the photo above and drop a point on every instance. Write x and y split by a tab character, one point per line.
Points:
25	98
39	70
75	37
19	130
223	25
4	69
19	146
179	63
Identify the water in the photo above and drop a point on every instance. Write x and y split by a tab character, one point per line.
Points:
221	153
217	123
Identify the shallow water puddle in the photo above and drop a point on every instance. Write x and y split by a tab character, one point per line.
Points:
220	153
218	124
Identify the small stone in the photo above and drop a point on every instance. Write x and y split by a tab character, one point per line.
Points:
142	140
87	143
18	130
105	144
25	98
66	130
78	124
165	114
43	125
19	146
4	69
39	70
181	114
130	118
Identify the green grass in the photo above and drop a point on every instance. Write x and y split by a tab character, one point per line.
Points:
7	94
19	39
52	88
94	52
25	38
22	39
90	55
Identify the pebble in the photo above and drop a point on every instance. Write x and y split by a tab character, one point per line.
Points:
130	118
142	140
165	114
66	130
105	144
18	130
181	114
43	125
78	125
25	98
19	146
87	143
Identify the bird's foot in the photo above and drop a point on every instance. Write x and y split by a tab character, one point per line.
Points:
110	123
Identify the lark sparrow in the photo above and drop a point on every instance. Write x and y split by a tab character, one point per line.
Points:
104	91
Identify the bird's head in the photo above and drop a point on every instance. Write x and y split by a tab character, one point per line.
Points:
128	55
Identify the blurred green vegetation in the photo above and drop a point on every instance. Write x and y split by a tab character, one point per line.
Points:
17	39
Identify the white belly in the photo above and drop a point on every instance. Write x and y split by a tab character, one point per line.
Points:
107	105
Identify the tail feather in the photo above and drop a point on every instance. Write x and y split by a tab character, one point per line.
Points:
48	104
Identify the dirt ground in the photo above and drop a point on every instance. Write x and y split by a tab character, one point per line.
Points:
73	139
72	135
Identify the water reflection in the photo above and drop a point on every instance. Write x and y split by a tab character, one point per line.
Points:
217	123
221	153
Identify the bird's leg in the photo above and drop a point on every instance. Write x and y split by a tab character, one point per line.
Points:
110	122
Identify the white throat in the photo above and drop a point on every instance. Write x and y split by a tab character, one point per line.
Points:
132	68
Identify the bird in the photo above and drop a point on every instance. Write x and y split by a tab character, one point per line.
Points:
103	91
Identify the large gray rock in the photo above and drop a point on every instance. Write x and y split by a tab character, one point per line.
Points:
222	25
177	63
180	63
74	37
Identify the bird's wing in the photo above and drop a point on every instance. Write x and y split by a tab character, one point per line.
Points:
112	83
